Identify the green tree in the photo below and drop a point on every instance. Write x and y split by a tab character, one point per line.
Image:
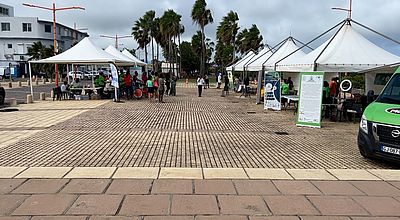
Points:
249	39
189	59
226	35
197	46
170	28
141	31
38	51
202	17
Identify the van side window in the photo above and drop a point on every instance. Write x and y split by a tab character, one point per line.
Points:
382	79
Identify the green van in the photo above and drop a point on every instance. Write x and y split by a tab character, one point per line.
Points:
379	134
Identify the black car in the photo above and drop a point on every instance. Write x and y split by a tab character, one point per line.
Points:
2	95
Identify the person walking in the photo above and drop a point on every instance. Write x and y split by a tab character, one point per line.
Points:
207	81
161	88
200	84
226	87
219	80
155	83
150	87
128	85
173	86
168	83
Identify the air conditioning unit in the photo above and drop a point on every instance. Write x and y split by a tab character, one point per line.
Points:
9	56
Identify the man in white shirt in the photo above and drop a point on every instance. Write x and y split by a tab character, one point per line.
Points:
200	84
219	80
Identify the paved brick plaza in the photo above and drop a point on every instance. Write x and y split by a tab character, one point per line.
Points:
187	131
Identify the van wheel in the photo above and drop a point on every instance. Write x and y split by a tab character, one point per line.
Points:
364	152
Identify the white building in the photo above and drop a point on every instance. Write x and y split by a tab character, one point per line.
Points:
17	34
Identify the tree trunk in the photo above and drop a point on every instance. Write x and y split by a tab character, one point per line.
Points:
203	61
152	53
180	55
145	54
170	53
176	56
158	55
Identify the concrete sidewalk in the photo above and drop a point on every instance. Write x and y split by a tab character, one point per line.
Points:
197	199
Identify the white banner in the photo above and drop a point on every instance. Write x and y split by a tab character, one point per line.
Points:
114	74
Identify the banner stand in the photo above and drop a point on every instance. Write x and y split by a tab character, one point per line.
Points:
272	91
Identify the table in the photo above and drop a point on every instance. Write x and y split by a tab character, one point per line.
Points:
89	90
292	98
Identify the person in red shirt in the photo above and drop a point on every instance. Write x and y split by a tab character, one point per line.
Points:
333	86
128	85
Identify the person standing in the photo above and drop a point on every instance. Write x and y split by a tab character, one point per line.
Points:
150	88
226	87
219	80
200	84
128	85
155	83
173	86
207	81
168	83
291	84
161	88
333	86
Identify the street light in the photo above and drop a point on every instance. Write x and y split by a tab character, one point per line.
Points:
116	37
54	9
349	10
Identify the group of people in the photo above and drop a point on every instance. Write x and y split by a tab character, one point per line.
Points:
204	82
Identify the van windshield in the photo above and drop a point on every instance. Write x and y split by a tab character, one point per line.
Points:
391	94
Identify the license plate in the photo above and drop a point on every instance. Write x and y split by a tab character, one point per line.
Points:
390	150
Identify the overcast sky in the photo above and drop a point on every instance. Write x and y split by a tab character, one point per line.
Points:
304	19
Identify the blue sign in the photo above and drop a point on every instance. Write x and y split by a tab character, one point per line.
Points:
272	88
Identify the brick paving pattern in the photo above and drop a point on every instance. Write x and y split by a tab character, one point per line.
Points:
187	131
195	199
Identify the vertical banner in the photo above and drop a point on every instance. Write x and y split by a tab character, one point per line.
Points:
114	74
310	104
272	90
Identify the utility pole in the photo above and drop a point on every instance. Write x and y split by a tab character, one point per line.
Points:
116	37
54	10
76	33
349	10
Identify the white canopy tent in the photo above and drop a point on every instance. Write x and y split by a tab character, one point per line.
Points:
132	57
256	63
347	51
114	52
85	52
239	65
288	47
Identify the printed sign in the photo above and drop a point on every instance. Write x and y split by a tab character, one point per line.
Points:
114	74
310	104
272	90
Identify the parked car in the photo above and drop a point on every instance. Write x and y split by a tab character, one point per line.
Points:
379	133
2	95
77	74
89	74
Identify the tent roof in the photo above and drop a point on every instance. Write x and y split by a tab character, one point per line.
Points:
132	57
238	66
287	48
255	64
114	52
85	52
348	51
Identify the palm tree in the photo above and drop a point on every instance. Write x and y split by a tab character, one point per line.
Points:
181	31
170	27
39	51
197	46
249	39
148	20
141	35
202	17
226	35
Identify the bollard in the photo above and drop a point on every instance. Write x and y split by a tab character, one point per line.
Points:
42	96
37	82
10	85
19	83
29	99
13	102
52	94
44	81
28	82
23	76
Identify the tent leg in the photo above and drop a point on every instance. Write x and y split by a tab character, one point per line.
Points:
259	86
67	74
30	78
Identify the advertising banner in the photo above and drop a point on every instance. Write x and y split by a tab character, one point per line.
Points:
310	104
114	74
272	90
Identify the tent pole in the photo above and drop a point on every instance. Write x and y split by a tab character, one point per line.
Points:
259	86
311	41
376	32
68	73
295	39
326	46
280	45
30	77
95	67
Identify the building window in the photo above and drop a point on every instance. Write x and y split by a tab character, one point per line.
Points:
47	28
4	11
5	26
9	46
26	27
